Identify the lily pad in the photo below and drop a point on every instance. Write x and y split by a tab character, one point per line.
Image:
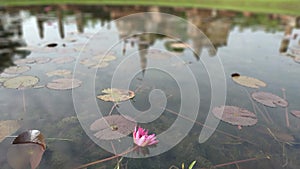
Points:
21	82
60	72
269	99
90	63
31	136
64	84
116	95
8	127
4	77
63	60
179	45
27	149
247	81
104	58
297	59
16	69
37	60
235	115
98	61
296	113
24	156
112	127
176	46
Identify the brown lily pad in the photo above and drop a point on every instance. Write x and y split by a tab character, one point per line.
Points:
64	84
21	82
63	60
116	95
296	113
235	115
27	150
8	127
24	156
247	81
16	69
31	136
269	99
112	127
34	60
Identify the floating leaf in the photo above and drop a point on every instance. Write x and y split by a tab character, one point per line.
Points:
100	61
16	69
31	136
104	58
113	127
179	45
116	95
235	115
21	82
61	72
21	156
297	59
269	99
37	60
8	127
176	46
296	113
63	60
64	84
247	81
4	77
281	136
27	148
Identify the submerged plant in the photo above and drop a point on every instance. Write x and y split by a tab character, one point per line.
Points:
183	166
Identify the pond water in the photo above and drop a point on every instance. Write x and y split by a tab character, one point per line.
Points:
262	46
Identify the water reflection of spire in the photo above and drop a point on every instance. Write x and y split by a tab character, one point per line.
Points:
60	23
40	24
212	25
10	38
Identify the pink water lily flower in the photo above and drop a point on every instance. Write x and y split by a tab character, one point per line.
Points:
142	139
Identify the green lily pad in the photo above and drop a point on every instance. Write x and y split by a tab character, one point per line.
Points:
8	127
60	72
16	69
4	77
247	81
63	60
37	60
116	95
64	84
21	82
176	46
98	61
104	58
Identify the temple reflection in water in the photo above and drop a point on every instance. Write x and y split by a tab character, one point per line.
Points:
215	24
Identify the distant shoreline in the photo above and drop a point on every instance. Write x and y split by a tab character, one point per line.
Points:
290	7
